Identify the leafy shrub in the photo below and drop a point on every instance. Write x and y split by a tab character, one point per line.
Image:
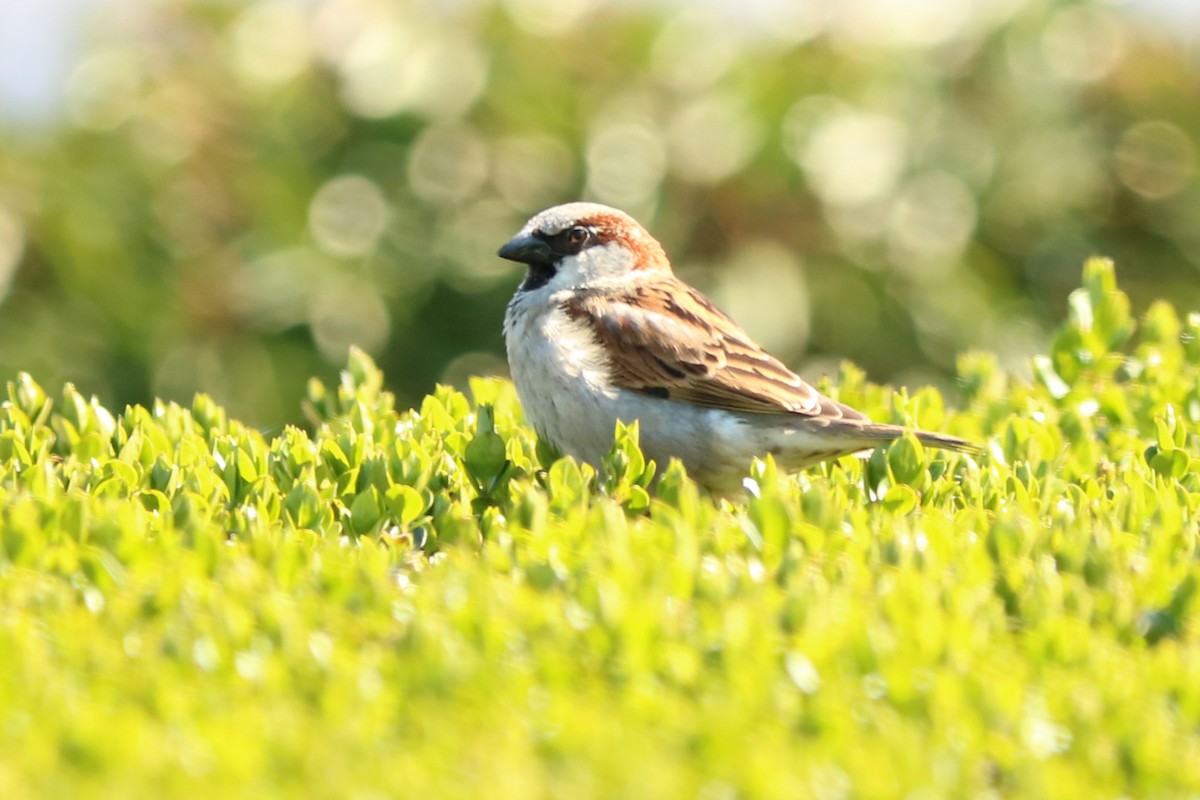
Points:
423	603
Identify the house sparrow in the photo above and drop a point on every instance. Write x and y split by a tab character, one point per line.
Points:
601	330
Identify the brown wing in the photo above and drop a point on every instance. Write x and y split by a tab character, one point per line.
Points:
667	340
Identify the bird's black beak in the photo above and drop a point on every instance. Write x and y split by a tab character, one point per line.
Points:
527	250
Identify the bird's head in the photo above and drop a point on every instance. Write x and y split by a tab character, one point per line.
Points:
584	245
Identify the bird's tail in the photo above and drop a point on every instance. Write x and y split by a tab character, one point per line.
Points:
883	432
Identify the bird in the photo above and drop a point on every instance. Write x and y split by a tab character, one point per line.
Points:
600	329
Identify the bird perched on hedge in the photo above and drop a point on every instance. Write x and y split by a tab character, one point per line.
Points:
602	330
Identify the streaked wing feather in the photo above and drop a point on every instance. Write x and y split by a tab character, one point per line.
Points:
835	410
667	339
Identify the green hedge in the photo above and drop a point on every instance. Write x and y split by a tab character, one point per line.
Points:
424	604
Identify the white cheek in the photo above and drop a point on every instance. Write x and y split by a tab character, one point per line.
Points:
593	267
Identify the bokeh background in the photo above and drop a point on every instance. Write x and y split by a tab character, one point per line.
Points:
223	196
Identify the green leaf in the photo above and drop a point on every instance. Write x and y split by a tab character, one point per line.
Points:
75	409
1170	463
900	499
770	517
485	459
334	456
565	481
1043	370
30	398
624	463
405	503
876	470
303	505
906	460
546	452
1003	540
365	511
638	500
1079	302
210	416
247	470
361	372
12	448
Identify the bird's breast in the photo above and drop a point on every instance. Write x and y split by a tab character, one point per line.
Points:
562	377
550	346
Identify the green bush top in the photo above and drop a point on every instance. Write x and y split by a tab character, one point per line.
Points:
423	603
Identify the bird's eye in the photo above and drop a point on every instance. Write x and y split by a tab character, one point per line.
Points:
577	235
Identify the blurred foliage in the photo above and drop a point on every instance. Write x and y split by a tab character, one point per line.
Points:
413	603
237	192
